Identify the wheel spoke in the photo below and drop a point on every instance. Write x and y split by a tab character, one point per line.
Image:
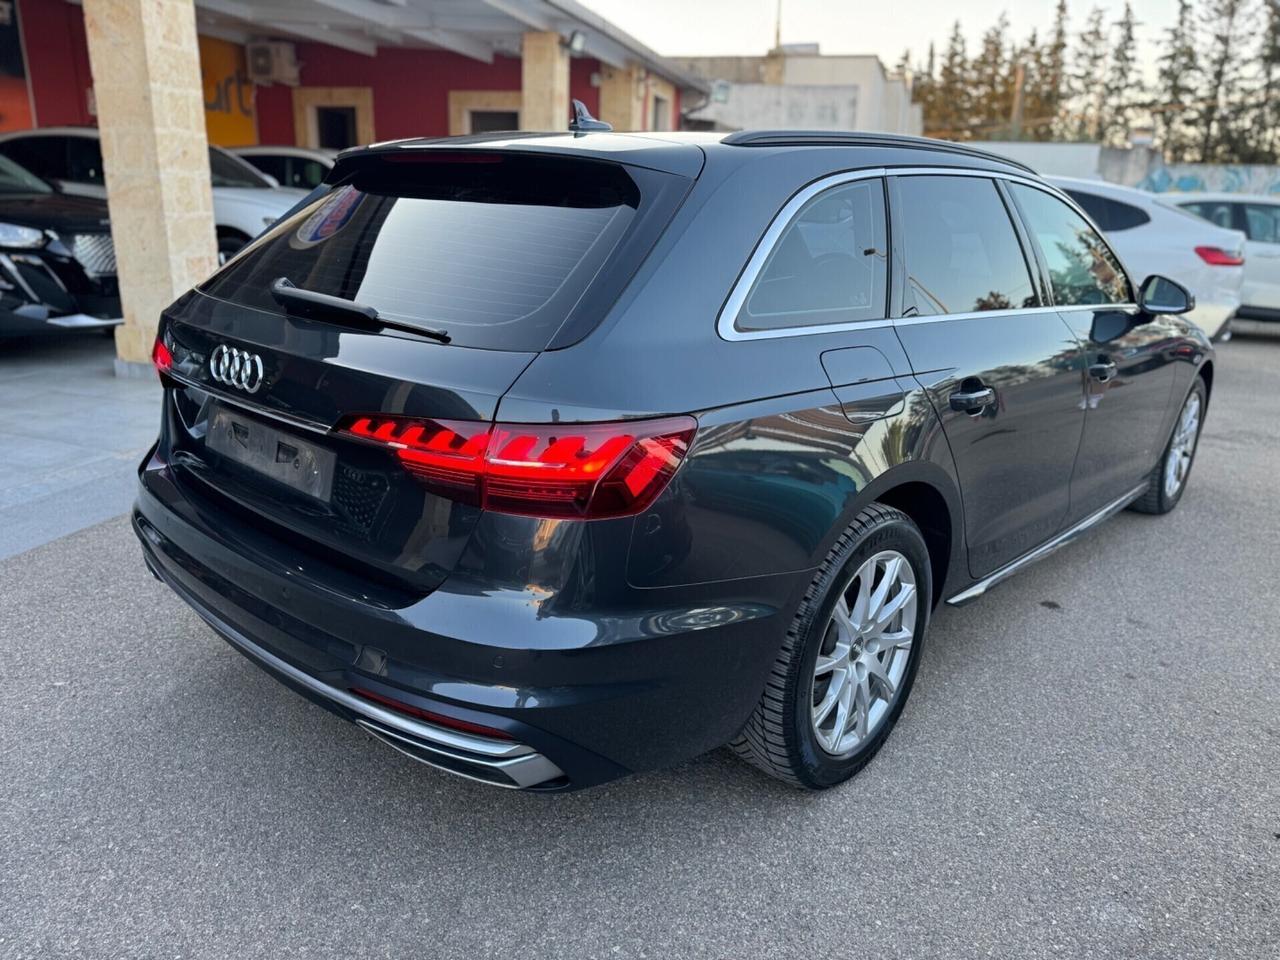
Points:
861	603
862	707
891	609
891	568
844	703
839	681
876	669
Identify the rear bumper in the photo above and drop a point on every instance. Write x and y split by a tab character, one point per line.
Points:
584	697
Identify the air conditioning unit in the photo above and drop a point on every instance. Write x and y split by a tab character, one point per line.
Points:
272	61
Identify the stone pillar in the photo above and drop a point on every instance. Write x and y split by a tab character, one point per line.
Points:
146	81
544	82
622	93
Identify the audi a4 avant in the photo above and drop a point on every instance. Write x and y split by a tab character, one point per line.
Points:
550	458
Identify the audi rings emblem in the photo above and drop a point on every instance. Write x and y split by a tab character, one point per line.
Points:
236	368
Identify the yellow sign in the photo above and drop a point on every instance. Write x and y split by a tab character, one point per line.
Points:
228	94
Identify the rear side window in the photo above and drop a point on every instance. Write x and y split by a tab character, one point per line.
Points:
828	266
962	254
497	250
274	166
1110	215
1213	211
1262	222
1082	268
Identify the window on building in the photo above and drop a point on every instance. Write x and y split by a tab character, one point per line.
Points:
336	127
828	266
1082	269
493	121
962	254
660	118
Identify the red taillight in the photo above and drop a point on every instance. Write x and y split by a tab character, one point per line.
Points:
162	357
1217	257
439	719
554	470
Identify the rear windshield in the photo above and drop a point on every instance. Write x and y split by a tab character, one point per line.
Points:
497	250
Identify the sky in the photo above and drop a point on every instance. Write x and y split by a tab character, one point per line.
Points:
884	27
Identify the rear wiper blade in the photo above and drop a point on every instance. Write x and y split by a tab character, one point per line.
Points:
318	306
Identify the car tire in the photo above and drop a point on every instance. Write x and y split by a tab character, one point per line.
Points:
784	736
230	243
1168	480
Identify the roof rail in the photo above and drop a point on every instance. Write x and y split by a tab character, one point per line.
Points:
840	138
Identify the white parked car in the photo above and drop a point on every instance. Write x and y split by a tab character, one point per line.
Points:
1259	218
301	167
1151	235
244	200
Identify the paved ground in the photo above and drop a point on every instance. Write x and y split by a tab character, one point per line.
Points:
71	433
1089	767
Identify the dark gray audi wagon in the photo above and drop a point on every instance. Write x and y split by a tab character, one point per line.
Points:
550	458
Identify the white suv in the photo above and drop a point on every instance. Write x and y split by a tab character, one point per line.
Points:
1151	235
245	201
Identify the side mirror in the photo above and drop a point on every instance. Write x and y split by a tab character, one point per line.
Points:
1162	295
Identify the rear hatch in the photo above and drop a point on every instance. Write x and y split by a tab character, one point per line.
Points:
421	285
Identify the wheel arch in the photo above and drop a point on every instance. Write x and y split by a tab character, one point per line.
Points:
1206	374
929	496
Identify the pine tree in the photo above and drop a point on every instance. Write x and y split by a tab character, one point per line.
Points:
1267	110
952	116
1031	56
1088	78
1123	86
1222	115
1054	89
1177	81
992	82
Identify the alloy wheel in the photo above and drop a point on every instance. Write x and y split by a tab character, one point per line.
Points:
1183	446
865	650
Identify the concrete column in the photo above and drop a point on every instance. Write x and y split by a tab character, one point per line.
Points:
146	80
544	82
622	93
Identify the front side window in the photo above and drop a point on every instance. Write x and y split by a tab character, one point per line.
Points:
84	160
962	254
828	266
1082	268
1262	222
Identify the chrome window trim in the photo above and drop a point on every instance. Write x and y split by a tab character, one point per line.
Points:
725	322
726	319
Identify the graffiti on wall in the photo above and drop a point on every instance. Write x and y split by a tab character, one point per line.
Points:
1217	178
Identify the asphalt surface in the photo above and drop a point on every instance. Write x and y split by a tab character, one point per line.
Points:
1089	767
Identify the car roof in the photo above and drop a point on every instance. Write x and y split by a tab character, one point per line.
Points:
685	152
89	132
260	149
1221	195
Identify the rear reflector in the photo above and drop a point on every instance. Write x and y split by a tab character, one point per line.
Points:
585	471
439	719
1217	257
161	356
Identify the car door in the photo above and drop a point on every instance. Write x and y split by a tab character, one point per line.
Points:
1128	363
1261	225
1002	369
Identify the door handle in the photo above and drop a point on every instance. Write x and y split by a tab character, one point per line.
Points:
973	401
1103	370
